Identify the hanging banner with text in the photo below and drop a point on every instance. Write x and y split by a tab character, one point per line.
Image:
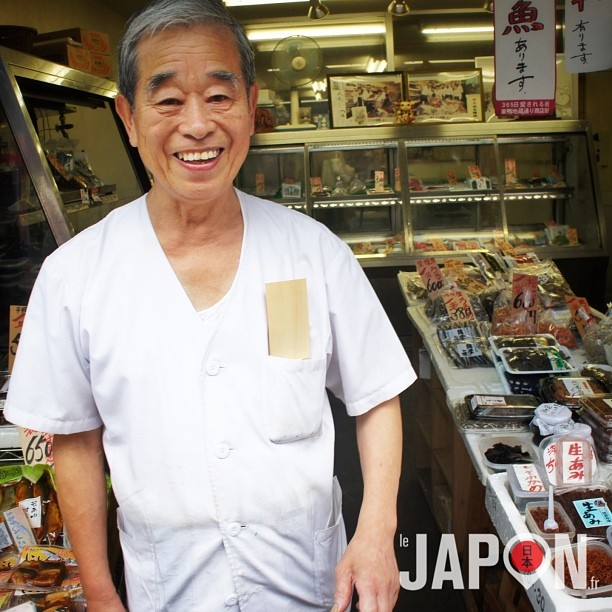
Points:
525	69
588	24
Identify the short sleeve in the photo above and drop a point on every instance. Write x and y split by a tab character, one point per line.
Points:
49	388
369	365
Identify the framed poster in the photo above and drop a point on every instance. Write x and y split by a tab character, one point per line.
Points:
358	100
453	96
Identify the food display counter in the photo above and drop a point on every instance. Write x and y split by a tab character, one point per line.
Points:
466	495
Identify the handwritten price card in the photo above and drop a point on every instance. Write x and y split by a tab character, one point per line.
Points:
458	306
37	447
431	275
581	313
525	296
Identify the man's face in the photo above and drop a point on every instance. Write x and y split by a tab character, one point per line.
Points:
192	118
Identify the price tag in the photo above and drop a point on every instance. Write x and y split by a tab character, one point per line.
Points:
569	467
16	317
431	275
379	180
37	447
397	179
510	171
458	306
581	313
525	297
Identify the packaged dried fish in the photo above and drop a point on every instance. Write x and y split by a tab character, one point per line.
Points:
466	344
501	407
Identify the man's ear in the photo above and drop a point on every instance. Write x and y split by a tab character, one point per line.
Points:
124	110
253	96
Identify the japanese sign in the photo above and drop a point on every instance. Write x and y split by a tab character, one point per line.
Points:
525	69
525	297
430	273
594	512
587	35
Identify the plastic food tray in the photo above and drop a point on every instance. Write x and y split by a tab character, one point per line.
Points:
511	440
523	341
558	359
519	495
569	389
590	591
560	515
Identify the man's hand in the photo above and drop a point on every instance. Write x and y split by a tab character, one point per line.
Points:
369	566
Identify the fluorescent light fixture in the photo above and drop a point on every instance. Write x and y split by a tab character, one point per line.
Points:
458	34
457	30
451	61
414	63
315	32
257	2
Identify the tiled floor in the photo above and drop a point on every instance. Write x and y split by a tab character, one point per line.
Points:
414	516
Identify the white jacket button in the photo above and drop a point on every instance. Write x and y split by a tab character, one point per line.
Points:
231	600
233	529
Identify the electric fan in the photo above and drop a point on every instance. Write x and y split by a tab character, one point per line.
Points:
297	61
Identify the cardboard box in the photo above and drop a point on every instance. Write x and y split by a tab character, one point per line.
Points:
91	39
75	56
101	65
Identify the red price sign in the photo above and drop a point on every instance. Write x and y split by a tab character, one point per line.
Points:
458	306
431	275
37	447
525	296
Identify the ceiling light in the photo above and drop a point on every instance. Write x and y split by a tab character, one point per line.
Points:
315	32
317	10
451	61
458	34
398	8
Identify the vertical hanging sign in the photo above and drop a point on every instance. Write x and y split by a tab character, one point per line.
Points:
525	67
587	35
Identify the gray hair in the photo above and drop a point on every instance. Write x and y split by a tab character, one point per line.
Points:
161	14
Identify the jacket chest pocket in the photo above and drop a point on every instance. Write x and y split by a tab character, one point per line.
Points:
293	398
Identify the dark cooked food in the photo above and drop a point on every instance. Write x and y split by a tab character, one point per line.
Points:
549	359
38	573
523	341
495	407
603	375
505	454
568	390
600	408
566	497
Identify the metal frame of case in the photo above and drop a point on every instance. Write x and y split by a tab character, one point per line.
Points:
14	65
402	138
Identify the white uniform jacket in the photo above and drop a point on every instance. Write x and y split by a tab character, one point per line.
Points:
221	456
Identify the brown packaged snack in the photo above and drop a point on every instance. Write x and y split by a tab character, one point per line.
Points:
569	389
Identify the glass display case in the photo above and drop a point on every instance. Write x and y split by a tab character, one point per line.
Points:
64	164
397	192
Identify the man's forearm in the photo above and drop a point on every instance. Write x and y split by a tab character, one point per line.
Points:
379	438
81	487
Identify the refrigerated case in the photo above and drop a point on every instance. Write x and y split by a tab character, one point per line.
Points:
65	163
398	193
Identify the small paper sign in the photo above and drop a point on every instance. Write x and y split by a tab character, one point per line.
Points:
593	512
431	275
260	183
316	184
379	180
458	306
37	447
581	313
528	478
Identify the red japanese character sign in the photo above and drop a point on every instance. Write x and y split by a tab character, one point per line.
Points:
525	61
431	275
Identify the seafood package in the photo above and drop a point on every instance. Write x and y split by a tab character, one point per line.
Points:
569	389
465	344
522	341
536	360
501	407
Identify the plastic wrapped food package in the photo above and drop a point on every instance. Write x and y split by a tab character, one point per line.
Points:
466	344
569	389
536	360
501	407
435	308
552	286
